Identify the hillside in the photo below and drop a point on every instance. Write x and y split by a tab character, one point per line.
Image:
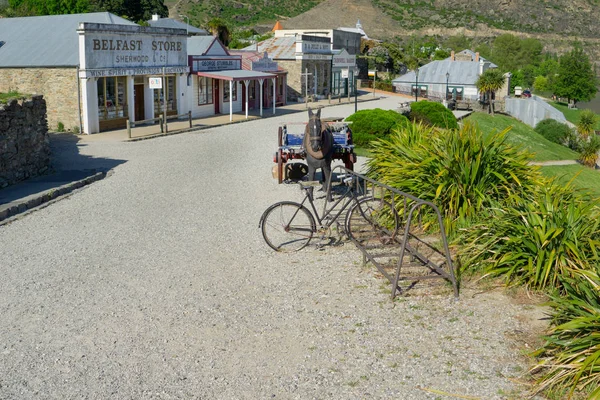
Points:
555	22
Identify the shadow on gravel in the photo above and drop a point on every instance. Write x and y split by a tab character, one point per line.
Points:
68	165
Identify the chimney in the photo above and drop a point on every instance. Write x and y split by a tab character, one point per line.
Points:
477	57
452	55
155	17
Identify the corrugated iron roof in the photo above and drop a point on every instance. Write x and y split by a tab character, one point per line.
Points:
173	23
278	48
248	57
46	41
461	72
199	45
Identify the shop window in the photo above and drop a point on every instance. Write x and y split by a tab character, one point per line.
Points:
456	92
205	90
226	91
422	91
165	98
337	82
280	85
252	92
112	97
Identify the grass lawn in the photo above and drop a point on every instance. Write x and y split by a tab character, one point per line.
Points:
4	97
587	178
570	114
524	136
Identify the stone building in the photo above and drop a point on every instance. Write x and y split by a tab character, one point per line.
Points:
94	69
307	59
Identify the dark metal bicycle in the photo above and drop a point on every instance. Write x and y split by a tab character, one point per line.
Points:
289	226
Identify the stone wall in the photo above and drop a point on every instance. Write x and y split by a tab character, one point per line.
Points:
57	85
24	141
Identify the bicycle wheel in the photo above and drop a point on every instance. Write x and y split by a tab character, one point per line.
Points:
372	220
287	226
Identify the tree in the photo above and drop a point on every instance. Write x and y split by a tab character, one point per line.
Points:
458	43
489	82
576	79
219	28
135	10
540	84
47	7
507	52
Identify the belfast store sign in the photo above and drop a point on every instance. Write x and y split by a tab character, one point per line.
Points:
120	46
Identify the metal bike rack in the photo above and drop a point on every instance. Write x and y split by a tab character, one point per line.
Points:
411	256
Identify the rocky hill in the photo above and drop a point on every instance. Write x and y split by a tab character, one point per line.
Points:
555	22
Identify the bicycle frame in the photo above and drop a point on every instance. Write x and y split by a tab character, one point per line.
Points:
323	220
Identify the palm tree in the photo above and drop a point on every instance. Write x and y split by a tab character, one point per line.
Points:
489	82
586	123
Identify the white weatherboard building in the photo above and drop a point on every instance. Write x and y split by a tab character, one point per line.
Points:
117	63
94	69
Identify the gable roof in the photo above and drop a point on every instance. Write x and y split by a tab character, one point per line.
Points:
173	23
46	41
277	47
461	72
206	46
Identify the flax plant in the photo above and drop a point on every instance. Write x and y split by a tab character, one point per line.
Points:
535	240
462	171
570	357
589	151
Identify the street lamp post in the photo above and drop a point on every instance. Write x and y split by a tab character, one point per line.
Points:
447	77
416	83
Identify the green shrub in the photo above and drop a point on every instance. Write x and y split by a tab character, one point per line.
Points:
535	239
433	114
75	129
569	358
370	124
362	139
462	171
60	127
553	130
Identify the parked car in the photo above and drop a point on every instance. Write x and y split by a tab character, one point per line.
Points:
526	93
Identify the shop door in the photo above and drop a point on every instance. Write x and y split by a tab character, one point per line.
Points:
138	99
217	96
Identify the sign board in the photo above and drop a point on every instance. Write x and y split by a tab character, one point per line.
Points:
264	64
344	60
372	72
471	91
111	48
99	73
220	64
155	82
344	73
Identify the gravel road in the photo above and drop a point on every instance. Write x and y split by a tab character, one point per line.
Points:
155	283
